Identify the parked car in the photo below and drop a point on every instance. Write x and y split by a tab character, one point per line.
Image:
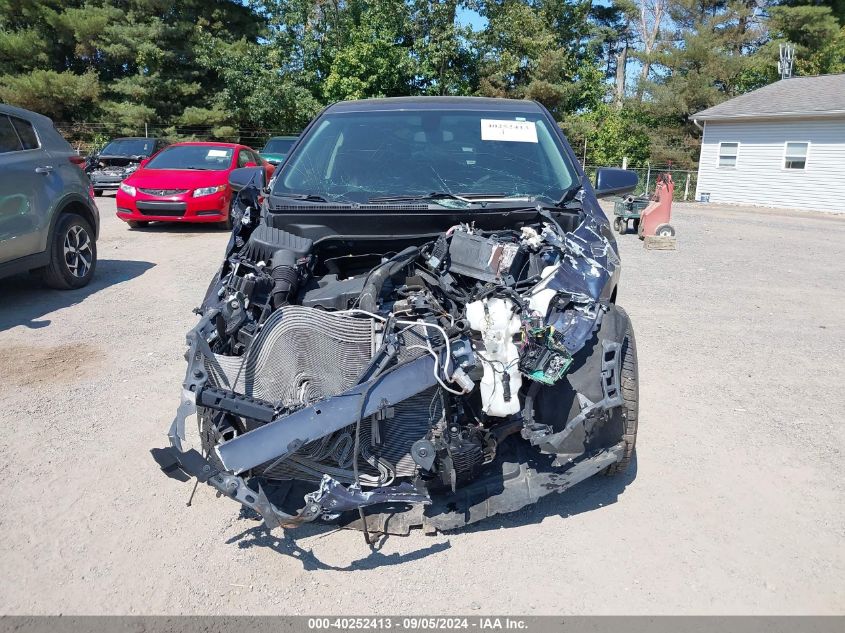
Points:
185	182
277	148
419	317
48	219
117	160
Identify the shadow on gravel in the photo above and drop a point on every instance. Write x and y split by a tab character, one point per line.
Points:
589	495
285	542
25	300
594	493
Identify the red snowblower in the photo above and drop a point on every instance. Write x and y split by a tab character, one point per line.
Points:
654	219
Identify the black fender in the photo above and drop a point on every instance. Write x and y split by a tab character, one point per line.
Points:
578	407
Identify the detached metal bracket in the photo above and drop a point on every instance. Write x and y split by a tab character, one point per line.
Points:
331	498
611	362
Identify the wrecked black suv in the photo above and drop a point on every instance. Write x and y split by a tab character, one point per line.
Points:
414	323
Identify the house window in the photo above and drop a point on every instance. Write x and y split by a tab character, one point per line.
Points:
727	154
795	156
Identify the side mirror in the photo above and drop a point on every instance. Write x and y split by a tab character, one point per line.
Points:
251	164
611	181
245	176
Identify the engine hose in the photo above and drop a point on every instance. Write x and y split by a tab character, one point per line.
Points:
368	299
459	327
285	276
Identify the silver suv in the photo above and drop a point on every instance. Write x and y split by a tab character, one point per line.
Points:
48	219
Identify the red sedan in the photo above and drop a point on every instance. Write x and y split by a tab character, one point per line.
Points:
185	182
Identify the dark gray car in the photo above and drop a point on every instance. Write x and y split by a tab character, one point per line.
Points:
48	219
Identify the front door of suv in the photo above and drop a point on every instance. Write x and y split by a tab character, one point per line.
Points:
24	171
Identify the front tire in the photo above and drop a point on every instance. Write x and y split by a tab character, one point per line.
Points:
73	254
629	410
98	192
229	222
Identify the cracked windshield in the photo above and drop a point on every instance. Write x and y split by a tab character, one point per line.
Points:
444	157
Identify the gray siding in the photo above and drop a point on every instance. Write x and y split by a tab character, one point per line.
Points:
759	177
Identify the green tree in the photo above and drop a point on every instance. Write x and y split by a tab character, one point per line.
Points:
129	62
615	27
536	50
305	37
214	67
446	63
254	92
376	59
817	34
611	134
837	7
704	61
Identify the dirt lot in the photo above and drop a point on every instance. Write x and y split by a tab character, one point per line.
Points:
736	504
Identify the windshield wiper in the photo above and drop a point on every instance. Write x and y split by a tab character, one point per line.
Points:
467	198
434	196
308	197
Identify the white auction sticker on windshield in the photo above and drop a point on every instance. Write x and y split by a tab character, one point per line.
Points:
218	153
516	131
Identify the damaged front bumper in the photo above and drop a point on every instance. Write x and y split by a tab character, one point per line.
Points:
329	500
519	484
517	481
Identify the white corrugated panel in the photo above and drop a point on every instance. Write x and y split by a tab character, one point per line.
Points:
759	177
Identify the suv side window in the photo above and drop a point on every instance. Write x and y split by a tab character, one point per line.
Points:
25	132
9	141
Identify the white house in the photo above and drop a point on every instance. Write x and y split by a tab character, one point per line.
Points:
780	146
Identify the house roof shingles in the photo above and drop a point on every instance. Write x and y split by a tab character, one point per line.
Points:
823	95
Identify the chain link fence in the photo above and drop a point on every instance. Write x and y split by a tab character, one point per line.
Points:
89	137
684	180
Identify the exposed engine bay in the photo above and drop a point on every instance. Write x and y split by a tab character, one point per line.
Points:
443	378
107	172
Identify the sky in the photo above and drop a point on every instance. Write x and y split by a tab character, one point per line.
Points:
467	17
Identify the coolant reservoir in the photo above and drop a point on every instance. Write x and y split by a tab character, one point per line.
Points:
497	323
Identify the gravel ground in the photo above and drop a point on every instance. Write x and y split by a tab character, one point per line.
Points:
736	504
